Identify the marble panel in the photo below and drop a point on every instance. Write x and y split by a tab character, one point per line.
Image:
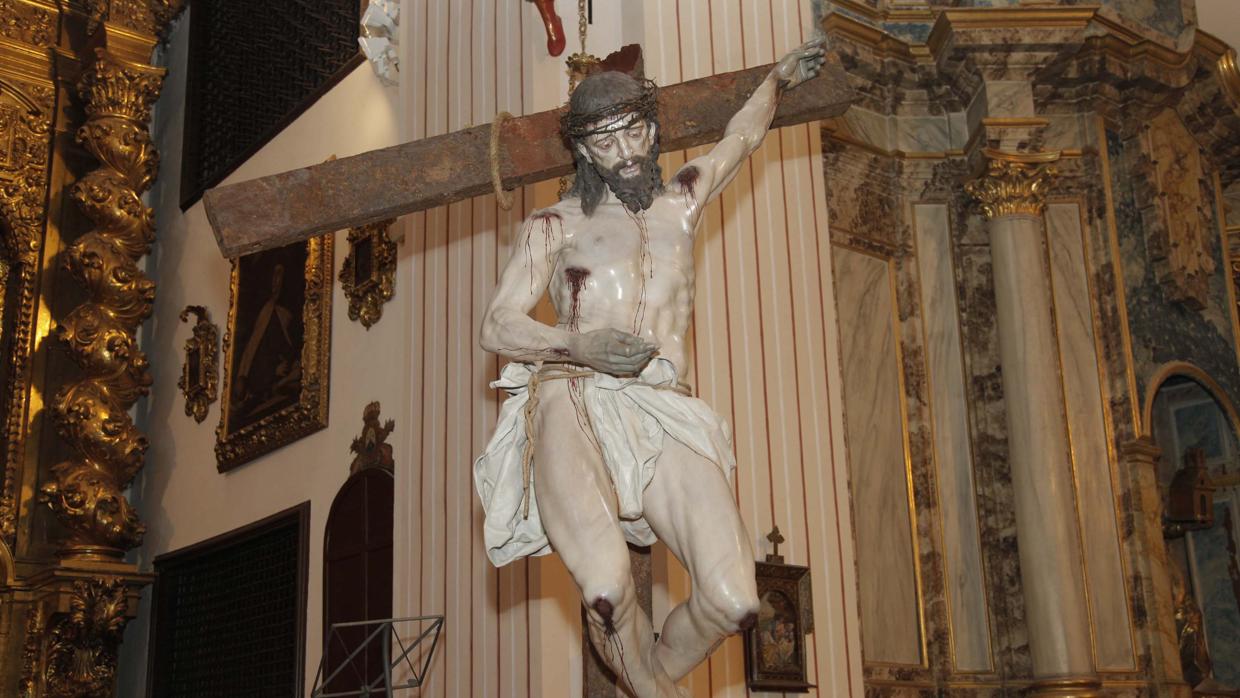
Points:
1067	132
1006	98
1087	430
969	616
869	127
877	460
921	134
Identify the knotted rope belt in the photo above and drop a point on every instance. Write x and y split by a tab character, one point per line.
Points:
553	372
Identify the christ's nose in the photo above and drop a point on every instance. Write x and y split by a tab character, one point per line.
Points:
625	149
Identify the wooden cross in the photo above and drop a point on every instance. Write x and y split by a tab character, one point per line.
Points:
281	209
776	538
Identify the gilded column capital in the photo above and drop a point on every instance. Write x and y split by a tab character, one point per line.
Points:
1014	183
117	87
150	17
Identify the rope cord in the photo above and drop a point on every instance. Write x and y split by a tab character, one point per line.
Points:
502	196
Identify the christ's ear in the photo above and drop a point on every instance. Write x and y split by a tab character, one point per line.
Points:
585	152
653	132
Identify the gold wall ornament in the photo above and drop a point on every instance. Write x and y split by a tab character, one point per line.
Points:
26	113
147	17
277	350
200	373
79	657
32	650
371	447
27	23
368	275
1179	232
1014	184
92	413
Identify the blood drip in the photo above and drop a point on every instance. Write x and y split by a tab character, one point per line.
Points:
687	179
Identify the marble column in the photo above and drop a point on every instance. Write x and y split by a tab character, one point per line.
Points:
1011	195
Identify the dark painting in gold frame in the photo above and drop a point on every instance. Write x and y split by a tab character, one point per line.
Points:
277	350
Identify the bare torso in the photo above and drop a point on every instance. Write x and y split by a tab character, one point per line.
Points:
627	271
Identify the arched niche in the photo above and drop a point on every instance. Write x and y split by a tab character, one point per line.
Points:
357	572
1186	409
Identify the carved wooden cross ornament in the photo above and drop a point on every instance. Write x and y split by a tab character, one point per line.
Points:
284	208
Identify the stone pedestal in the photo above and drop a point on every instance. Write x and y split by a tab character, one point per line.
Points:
1012	195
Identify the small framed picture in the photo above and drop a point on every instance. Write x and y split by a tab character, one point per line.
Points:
775	646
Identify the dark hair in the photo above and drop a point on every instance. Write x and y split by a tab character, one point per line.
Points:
597	97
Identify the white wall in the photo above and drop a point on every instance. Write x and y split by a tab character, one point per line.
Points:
1220	18
179	494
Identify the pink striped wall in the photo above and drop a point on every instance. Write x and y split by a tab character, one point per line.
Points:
765	348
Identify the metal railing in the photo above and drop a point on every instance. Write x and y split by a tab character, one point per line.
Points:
384	632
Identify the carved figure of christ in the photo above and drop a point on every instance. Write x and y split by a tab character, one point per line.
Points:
598	443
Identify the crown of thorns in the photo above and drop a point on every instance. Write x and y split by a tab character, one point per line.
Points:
578	125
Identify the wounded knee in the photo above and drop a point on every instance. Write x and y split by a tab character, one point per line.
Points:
604	609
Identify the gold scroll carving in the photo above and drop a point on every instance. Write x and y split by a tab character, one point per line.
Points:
27	23
368	274
92	413
74	653
1014	184
26	112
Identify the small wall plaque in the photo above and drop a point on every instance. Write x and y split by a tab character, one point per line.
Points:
200	372
775	645
369	272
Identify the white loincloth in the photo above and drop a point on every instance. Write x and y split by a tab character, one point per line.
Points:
630	417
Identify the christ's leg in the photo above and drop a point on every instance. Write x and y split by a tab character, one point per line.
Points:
689	505
577	504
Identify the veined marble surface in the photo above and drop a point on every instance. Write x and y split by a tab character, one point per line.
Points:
877	459
970	623
1087	432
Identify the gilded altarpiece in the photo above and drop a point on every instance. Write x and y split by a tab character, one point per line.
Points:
75	158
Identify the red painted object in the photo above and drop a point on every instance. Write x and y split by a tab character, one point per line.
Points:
555	28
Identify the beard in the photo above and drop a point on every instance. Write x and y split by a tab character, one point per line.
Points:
637	193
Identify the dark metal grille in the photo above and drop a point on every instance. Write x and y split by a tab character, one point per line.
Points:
230	615
253	67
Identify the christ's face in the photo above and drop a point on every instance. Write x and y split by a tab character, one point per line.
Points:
620	150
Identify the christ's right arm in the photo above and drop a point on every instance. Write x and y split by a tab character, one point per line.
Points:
507	328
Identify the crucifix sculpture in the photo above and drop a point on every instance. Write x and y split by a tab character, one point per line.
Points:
599	443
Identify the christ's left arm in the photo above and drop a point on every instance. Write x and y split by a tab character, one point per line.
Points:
704	178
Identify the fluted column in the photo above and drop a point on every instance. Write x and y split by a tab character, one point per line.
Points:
1012	197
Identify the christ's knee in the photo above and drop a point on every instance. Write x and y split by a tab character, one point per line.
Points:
731	608
607	601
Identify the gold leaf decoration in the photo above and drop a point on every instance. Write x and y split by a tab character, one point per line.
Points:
368	275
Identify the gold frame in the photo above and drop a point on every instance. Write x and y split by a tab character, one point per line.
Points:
309	414
367	296
201	390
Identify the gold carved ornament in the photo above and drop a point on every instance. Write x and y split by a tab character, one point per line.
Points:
236	445
368	274
26	112
1014	184
75	653
27	23
200	375
371	449
92	413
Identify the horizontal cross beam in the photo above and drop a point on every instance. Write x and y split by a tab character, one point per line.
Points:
284	208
